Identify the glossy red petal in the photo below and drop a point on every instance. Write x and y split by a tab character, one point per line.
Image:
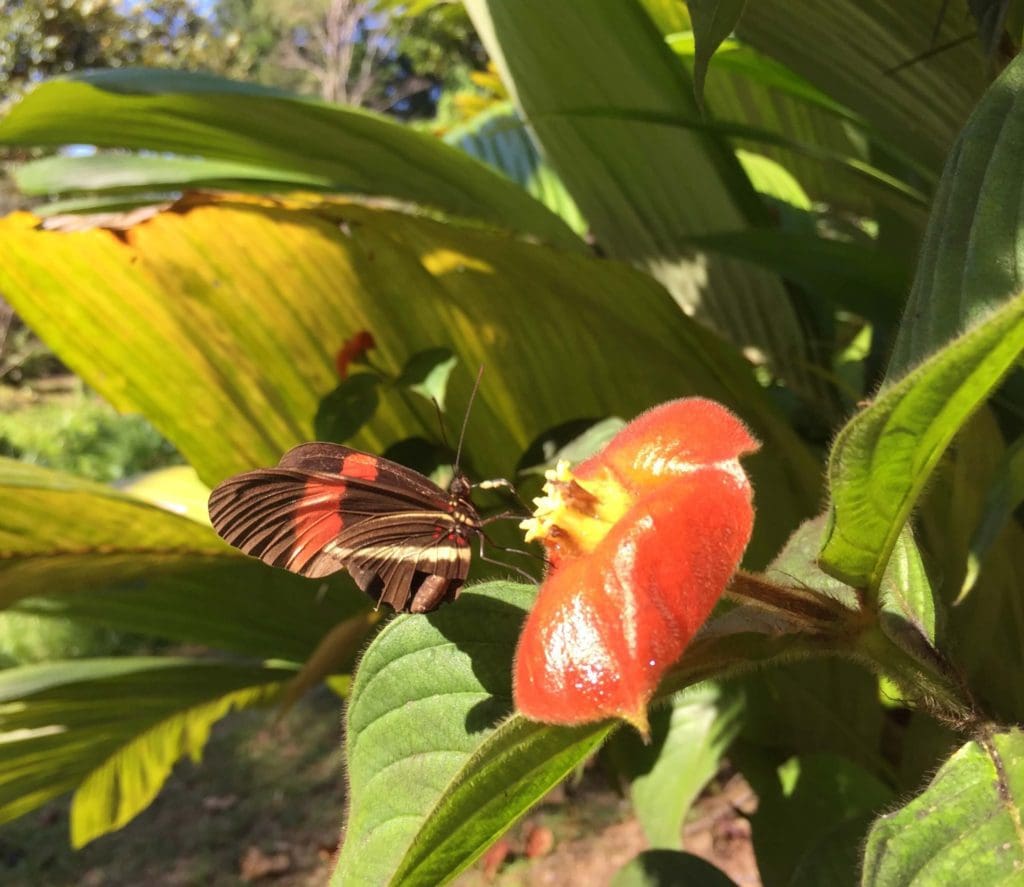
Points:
673	438
607	625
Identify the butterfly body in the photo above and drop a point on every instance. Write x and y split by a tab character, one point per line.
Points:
325	507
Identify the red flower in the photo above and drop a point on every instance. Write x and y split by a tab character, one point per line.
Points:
354	349
642	539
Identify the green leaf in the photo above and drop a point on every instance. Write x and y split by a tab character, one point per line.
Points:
134	172
1005	494
821	142
803	802
863	280
104	556
598	108
239	305
875	58
965	828
112	729
713	21
688	738
970	261
345	410
427	373
296	140
670	868
498	137
882	459
905	597
425	803
570	443
983	629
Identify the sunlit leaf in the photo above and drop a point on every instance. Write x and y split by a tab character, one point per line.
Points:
965	828
287	139
112	729
246	303
594	105
427	373
110	558
688	738
882	459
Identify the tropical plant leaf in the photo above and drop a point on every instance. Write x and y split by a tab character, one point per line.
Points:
851	276
302	141
965	828
125	173
804	802
688	738
498	137
884	61
1005	494
970	261
982	629
104	556
712	22
343	411
112	729
592	105
451	670
882	459
246	302
427	373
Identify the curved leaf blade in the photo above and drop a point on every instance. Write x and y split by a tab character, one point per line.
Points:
104	556
713	21
965	828
882	459
345	149
623	168
246	301
113	727
971	259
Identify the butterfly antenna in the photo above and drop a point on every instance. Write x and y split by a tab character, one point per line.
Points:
465	418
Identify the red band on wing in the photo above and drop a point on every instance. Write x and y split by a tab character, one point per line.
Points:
362	466
317	521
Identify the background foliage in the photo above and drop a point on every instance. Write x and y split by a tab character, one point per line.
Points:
630	205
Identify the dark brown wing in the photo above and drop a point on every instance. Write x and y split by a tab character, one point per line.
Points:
327	507
391	556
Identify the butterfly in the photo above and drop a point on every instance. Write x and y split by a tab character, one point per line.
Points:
326	507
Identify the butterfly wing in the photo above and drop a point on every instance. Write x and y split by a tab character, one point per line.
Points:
327	507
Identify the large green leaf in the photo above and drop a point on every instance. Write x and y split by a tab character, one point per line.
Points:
498	137
802	805
972	258
112	729
885	61
666	773
289	139
982	630
220	322
882	459
822	143
451	670
590	83
122	172
965	828
99	554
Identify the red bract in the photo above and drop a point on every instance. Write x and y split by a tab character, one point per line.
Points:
354	349
643	539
